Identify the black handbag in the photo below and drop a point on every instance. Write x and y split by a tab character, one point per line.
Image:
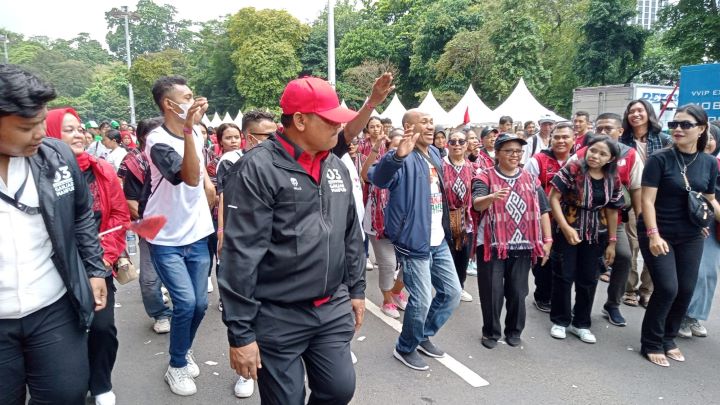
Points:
700	210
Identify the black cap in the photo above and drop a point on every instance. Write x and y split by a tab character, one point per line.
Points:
487	130
504	138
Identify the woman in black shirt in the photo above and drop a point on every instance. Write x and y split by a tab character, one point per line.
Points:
670	243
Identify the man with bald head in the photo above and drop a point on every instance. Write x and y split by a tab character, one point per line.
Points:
417	223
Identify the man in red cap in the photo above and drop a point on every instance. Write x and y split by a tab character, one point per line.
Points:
293	256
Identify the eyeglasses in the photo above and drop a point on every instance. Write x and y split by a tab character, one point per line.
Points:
454	142
682	124
511	152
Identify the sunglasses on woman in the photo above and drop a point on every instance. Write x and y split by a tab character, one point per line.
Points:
454	142
682	124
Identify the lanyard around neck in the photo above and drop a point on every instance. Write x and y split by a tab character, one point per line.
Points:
15	202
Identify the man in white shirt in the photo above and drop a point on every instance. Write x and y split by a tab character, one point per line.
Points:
178	185
52	276
539	141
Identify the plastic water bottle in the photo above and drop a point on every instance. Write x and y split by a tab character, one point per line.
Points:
131	240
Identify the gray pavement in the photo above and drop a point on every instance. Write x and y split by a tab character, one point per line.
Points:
542	371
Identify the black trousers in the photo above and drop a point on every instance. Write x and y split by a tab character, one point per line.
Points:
103	344
543	281
674	276
461	258
212	247
318	337
620	269
46	354
577	265
503	281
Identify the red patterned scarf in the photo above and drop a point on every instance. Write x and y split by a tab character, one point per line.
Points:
512	223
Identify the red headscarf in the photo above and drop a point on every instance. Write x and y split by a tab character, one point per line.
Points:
108	187
126	135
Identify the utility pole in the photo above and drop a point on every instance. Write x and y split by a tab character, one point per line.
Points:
331	43
4	38
131	96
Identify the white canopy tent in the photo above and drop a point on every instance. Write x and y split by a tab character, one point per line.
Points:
238	119
477	110
431	106
216	121
395	111
205	120
227	119
521	105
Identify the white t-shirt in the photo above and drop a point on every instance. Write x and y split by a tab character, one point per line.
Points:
186	207
116	157
534	145
437	233
29	280
357	188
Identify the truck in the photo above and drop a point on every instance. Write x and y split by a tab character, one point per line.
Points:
615	98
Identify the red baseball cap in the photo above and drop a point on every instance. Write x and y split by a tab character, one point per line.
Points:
312	95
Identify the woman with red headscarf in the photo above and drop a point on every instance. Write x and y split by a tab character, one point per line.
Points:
110	210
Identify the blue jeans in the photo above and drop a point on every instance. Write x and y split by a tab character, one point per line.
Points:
150	284
425	315
183	270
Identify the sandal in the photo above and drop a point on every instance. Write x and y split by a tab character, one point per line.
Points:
605	277
658	359
631	300
675	354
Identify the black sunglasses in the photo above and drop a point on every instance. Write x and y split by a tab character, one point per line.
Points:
454	142
682	124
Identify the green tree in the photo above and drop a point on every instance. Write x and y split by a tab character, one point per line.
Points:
692	29
107	97
612	47
356	82
518	49
467	59
660	64
153	28
147	69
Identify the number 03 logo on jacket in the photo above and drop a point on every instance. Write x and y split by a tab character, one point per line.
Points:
335	181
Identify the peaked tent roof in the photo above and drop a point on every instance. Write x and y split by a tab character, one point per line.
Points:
238	119
431	106
395	111
205	120
522	106
478	111
227	119
216	121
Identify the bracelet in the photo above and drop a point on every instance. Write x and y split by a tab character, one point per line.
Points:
613	239
187	131
652	231
370	106
220	230
547	239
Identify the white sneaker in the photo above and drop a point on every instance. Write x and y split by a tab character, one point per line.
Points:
107	398
369	265
210	285
180	381
244	388
161	326
558	332
192	367
465	296
584	334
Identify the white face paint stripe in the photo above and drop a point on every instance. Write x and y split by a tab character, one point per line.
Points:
232	206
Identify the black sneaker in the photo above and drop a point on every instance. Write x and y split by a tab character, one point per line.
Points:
542	306
614	316
412	360
429	349
513	341
488	343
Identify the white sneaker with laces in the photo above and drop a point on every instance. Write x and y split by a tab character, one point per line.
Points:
583	333
465	296
244	388
210	285
161	326
558	332
696	328
107	398
180	381
192	367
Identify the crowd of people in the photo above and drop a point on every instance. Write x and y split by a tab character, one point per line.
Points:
292	211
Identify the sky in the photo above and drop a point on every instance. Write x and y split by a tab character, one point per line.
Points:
66	19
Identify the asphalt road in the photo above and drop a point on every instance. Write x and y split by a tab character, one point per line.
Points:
542	371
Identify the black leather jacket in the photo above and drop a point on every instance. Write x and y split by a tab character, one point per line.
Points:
66	208
288	240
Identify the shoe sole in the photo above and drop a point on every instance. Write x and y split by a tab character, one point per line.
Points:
547	311
609	318
402	360
558	336
590	342
176	392
429	354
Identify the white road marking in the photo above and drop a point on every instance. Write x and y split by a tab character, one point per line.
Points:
448	361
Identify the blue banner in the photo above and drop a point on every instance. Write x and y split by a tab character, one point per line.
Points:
700	84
